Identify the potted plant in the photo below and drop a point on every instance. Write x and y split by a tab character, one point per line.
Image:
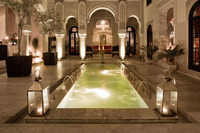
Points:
19	65
149	51
169	55
50	23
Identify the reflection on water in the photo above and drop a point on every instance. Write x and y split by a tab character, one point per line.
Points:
102	86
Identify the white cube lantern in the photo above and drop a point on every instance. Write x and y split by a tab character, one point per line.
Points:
38	99
167	98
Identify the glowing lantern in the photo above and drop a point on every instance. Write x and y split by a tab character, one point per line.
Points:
38	99
167	98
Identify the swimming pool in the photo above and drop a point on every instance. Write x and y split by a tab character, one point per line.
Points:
102	86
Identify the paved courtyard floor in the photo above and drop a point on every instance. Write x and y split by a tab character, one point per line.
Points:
13	95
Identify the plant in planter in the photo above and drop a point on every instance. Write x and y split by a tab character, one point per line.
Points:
50	23
149	51
169	55
19	65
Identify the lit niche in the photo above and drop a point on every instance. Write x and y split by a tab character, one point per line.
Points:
167	98
38	99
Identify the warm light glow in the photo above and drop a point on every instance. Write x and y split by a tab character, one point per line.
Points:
26	32
165	110
37	60
82	46
59	40
104	72
100	92
103	22
39	110
122	45
6	37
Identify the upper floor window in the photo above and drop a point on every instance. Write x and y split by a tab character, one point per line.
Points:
149	2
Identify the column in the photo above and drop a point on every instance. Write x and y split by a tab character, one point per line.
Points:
82	45
60	47
122	38
25	42
45	44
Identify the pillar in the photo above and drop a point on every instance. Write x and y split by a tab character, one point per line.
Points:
45	44
122	38
82	45
25	43
60	47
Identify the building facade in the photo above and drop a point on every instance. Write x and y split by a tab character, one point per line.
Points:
128	24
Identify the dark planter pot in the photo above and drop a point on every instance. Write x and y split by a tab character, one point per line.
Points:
19	66
3	52
50	58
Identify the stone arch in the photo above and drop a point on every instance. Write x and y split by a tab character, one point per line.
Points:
101	6
71	21
133	21
163	9
102	15
194	39
138	20
149	35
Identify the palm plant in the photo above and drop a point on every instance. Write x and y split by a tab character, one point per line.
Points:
170	54
22	9
149	50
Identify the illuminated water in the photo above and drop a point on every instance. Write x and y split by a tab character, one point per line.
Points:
102	86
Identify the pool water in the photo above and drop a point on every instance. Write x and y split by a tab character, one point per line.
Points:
102	86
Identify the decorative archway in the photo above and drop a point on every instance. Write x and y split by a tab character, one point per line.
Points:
134	48
194	37
72	37
149	36
73	41
130	41
102	26
95	9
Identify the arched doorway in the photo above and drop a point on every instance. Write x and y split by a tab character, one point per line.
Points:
73	41
132	37
170	29
102	31
72	37
149	38
194	37
130	41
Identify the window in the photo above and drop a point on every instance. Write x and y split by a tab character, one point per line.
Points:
194	37
149	2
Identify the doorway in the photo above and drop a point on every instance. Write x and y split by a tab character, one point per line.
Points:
73	41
